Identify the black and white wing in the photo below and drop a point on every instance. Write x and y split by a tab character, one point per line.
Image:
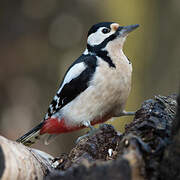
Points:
75	81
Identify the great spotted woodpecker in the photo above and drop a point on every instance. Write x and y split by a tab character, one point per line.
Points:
95	87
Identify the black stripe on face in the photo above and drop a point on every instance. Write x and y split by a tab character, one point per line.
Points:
98	50
105	57
95	27
101	46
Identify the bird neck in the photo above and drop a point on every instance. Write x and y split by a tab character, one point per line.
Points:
114	48
112	53
115	51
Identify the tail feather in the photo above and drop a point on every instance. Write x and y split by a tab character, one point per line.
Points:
29	138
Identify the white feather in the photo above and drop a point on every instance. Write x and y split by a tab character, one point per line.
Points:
74	72
86	52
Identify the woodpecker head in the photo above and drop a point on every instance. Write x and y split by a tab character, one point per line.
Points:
105	34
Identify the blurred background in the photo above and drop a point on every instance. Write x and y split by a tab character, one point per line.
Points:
40	39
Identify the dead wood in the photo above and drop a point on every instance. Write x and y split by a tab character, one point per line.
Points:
20	162
146	150
135	154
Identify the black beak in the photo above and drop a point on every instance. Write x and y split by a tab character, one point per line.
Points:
124	30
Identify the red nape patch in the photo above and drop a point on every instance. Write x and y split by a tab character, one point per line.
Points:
55	126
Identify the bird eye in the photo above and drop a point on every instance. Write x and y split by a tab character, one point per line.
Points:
105	30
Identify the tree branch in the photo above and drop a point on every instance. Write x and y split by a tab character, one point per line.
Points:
21	162
137	154
139	150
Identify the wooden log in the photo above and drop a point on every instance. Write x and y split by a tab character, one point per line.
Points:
141	152
136	154
20	162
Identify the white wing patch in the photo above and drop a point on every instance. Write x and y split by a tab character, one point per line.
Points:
98	37
86	52
74	72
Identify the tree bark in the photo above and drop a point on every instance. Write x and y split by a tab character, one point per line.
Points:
146	150
20	162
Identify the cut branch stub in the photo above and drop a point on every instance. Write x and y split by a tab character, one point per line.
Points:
20	162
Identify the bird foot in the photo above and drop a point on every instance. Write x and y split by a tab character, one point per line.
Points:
89	134
125	113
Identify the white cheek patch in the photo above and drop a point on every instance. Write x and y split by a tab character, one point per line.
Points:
98	37
74	72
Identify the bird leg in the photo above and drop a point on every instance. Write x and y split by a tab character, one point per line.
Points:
92	131
125	113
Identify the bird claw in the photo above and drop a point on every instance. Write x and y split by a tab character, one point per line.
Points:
125	113
89	134
102	126
131	113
